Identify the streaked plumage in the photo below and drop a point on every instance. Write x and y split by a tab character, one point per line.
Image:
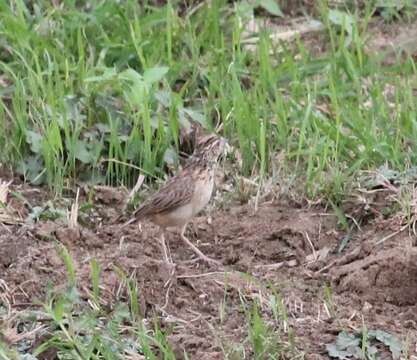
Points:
188	192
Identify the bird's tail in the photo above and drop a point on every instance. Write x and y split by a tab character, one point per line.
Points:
140	213
132	220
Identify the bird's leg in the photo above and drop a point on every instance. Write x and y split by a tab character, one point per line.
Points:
167	253
195	248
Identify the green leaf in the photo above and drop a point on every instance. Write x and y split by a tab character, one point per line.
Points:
82	153
335	352
35	214
108	74
341	19
69	264
383	175
131	75
58	310
155	74
348	346
371	351
345	346
33	169
46	212
271	6
389	340
170	156
194	115
136	86
345	340
28	357
35	140
244	9
163	97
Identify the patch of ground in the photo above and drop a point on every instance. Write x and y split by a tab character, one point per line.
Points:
281	248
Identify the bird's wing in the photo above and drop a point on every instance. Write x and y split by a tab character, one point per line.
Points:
176	192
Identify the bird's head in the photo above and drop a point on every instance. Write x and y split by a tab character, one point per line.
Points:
211	147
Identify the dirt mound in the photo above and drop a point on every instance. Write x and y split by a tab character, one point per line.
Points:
386	276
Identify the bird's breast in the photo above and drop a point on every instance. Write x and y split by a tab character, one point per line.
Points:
203	188
202	192
178	217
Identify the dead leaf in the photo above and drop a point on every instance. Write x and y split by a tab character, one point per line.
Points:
4	191
73	214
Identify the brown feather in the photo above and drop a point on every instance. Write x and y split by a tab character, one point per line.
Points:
179	190
175	193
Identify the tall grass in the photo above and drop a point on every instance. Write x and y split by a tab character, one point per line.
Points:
109	80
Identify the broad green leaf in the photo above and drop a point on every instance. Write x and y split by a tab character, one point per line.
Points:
244	9
108	74
389	340
137	87
271	6
342	19
35	214
163	97
345	340
33	169
131	75
35	140
82	153
136	93
371	351
381	176
155	74
28	357
170	156
345	346
337	353
195	116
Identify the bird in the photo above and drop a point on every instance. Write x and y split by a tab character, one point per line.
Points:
184	195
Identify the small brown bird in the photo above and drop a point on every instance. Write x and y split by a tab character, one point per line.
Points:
187	193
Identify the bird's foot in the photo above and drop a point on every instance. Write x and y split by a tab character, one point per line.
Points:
166	251
198	252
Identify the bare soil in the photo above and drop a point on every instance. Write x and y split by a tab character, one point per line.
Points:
281	247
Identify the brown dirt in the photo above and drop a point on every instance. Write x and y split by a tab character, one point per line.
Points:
371	284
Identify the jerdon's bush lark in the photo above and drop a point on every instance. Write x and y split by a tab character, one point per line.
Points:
183	196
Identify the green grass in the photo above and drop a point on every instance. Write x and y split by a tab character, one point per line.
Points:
88	84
